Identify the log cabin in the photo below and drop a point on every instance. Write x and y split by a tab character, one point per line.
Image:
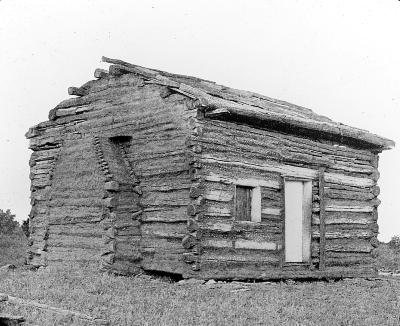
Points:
145	170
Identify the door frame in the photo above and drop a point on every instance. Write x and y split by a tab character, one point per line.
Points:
306	211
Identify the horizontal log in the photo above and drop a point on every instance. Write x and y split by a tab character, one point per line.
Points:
111	186
240	255
156	243
256	233
126	230
215	225
339	232
271	211
350	195
292	171
218	209
343	245
164	262
218	195
256	245
212	177
345	218
329	129
72	254
81	202
336	187
74	241
360	209
347	202
100	73
241	132
347	259
78	91
217	243
164	230
345	208
164	214
178	197
64	312
92	98
83	230
271	195
265	151
238	271
75	214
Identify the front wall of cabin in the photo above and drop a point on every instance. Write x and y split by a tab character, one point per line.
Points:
226	154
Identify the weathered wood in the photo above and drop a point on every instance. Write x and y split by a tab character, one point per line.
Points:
292	171
345	132
78	91
243	203
136	172
351	195
67	254
346	232
100	73
74	241
248	244
164	214
34	304
344	218
217	129
348	259
242	255
212	177
342	245
322	217
10	320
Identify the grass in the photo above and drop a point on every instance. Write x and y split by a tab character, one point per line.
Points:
388	259
13	248
146	300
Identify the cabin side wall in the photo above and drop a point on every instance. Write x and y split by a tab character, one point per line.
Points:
344	204
115	160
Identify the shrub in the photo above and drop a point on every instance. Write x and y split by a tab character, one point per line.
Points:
25	227
7	223
394	243
388	259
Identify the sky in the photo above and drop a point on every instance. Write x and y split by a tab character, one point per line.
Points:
338	58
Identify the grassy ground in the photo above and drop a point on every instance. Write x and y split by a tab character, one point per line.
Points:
388	259
12	248
153	301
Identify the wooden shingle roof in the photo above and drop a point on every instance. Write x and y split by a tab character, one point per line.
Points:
223	102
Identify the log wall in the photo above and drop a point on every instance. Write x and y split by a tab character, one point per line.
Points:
131	175
119	190
76	205
46	151
226	153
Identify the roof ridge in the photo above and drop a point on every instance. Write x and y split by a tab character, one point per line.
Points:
220	100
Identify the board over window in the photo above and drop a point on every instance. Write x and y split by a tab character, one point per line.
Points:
298	202
247	203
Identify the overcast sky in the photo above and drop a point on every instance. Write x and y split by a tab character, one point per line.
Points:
338	58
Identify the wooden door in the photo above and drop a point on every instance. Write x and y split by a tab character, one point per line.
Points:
298	202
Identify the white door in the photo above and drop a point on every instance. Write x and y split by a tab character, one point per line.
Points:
297	220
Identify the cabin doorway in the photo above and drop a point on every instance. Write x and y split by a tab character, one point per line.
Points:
298	201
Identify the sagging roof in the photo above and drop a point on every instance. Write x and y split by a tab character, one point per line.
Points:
227	103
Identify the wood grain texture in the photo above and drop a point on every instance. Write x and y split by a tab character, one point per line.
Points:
139	171
322	217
